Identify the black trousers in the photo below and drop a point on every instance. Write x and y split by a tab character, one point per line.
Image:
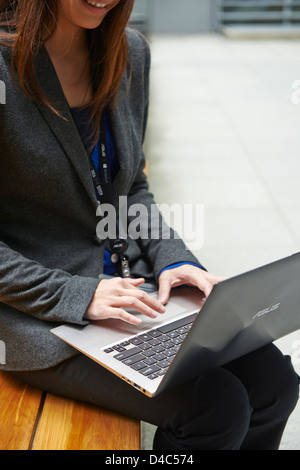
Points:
243	405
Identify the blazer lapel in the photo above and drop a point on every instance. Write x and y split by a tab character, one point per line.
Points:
69	137
122	133
65	130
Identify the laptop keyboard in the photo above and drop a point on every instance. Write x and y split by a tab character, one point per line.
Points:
151	353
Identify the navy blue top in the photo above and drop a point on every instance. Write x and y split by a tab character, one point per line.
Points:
81	118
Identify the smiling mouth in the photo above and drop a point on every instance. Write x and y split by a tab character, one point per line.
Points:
96	4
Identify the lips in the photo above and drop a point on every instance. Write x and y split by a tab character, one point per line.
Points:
100	7
96	4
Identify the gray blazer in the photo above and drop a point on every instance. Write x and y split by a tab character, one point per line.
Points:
50	258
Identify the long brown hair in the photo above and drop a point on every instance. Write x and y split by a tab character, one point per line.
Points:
27	24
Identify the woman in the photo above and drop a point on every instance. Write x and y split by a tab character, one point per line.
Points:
76	90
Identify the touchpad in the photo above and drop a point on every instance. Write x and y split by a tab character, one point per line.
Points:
172	311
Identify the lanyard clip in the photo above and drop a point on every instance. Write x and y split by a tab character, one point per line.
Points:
118	248
125	266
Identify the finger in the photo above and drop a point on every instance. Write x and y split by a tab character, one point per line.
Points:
197	280
130	283
204	285
120	314
138	281
164	290
131	302
147	299
208	281
215	279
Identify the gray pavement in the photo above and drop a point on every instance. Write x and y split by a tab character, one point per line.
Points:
224	132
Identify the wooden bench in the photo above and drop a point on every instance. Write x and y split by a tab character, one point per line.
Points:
34	420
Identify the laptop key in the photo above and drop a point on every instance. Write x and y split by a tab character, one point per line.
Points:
177	340
159	357
158	349
181	331
119	348
164	338
154	333
144	346
124	355
149	361
170	352
133	359
154	342
150	370
145	337
135	340
168	344
138	366
147	352
152	376
172	334
163	364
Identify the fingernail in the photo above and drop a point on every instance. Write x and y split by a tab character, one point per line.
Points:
151	313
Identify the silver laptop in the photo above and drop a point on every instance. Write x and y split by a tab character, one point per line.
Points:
195	334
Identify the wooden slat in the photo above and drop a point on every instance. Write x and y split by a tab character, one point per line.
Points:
19	407
72	425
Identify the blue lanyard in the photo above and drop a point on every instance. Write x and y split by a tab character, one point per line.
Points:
104	192
99	158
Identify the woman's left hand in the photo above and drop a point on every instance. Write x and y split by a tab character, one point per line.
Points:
185	274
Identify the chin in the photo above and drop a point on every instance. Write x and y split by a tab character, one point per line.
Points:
83	15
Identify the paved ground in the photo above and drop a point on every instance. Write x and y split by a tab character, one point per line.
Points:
224	132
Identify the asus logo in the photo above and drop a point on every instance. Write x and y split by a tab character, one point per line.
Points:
265	311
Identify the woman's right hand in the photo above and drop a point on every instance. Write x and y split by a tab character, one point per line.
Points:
112	296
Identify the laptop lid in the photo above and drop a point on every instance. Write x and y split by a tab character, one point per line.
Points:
242	314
